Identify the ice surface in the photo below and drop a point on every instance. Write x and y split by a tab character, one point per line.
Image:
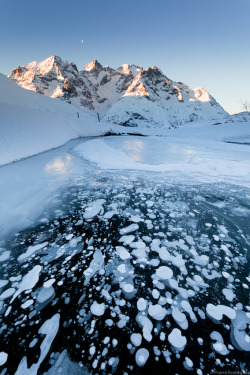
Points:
93	209
180	318
141	357
123	279
219	346
95	265
128	288
28	281
157	312
228	293
64	366
124	254
239	336
4	256
146	325
164	254
3	358
7	294
27	304
141	304
48	283
31	250
217	312
97	309
164	273
129	229
44	297
185	155
188	363
177	340
3	283
127	239
49	329
136	339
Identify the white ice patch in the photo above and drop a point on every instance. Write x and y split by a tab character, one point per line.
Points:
219	345
129	229
122	268
164	273
3	283
157	312
94	209
127	239
141	357
164	254
7	294
124	255
136	339
217	312
140	254
49	329
188	364
28	281
30	251
146	325
3	358
95	265
177	340
228	293
27	304
180	318
44	297
48	283
5	256
239	336
97	309
142	304
187	307
128	288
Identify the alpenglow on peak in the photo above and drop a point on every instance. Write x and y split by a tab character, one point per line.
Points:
129	95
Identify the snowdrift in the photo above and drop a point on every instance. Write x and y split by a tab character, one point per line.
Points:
31	123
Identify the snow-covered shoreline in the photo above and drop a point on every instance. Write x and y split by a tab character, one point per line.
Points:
31	123
200	154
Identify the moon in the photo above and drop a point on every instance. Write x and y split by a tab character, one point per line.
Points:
82	41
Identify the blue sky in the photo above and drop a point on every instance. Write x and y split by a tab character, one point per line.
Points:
199	42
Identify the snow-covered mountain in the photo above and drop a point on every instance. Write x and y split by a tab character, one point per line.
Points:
129	95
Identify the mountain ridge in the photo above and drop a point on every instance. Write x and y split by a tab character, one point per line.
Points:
129	95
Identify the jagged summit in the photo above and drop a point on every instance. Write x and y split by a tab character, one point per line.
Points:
129	95
93	65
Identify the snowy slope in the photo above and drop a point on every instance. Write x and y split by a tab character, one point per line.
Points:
241	117
31	123
129	95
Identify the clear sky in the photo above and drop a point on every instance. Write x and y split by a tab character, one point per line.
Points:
199	42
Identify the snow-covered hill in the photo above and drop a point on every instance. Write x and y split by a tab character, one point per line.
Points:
241	117
129	95
31	123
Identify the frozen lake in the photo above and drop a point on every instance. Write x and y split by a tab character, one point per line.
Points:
123	270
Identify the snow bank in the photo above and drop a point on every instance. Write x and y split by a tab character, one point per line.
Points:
31	123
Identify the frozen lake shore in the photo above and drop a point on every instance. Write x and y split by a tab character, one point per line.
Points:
126	272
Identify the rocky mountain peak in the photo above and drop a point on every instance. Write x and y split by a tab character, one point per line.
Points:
129	95
93	65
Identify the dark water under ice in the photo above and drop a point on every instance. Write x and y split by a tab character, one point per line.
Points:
204	228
